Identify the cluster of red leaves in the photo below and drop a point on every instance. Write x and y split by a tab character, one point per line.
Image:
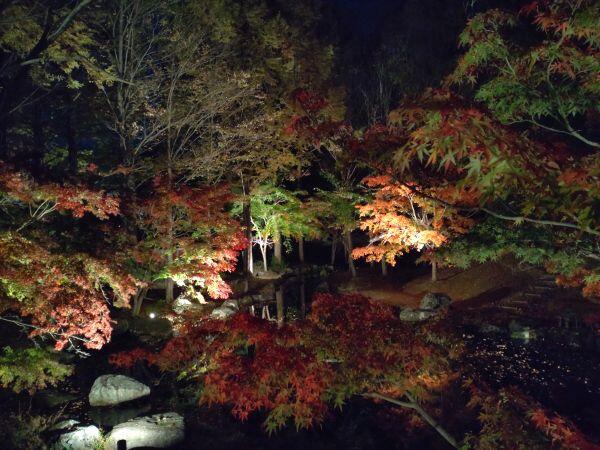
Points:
61	294
560	431
193	225
554	17
502	417
578	280
377	140
311	102
76	199
347	345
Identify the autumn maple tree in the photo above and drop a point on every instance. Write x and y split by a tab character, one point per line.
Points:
549	82
457	159
348	345
402	217
58	288
194	249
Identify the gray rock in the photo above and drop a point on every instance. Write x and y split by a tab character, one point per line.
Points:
433	301
81	438
158	431
416	315
222	313
66	424
182	305
110	390
231	303
238	285
267	275
109	417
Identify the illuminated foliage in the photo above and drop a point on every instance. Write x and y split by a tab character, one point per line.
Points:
548	82
348	345
401	217
59	289
497	171
30	369
195	245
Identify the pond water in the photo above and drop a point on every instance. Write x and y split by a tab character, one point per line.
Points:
559	368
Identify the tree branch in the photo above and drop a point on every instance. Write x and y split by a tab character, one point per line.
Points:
414	405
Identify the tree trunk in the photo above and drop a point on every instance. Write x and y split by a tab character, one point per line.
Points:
384	269
433	271
280	307
348	237
249	263
333	249
277	248
139	300
169	297
301	249
263	251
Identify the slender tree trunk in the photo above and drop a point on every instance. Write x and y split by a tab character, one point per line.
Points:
301	249
249	263
277	248
263	251
170	285
139	300
351	266
302	294
384	269
280	307
434	270
333	249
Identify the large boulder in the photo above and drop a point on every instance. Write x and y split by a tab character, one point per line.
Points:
110	390
416	315
431	301
81	438
157	431
182	305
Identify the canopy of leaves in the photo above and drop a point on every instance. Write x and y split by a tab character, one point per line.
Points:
348	345
30	369
545	76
